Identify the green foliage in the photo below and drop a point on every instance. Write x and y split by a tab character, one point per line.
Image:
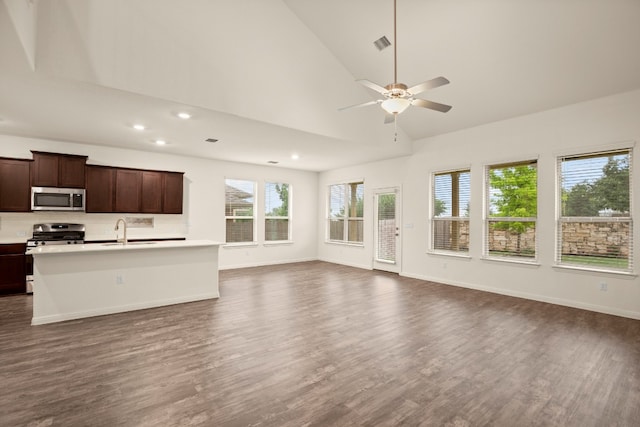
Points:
610	191
579	201
283	194
518	195
439	207
387	205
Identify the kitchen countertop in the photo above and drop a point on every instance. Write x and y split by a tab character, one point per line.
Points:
131	246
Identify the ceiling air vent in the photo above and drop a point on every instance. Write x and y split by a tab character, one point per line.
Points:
382	43
273	162
211	140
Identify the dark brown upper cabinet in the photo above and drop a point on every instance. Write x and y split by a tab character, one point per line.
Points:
151	200
172	193
15	190
100	187
58	170
128	190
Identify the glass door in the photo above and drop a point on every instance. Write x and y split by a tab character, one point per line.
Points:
387	230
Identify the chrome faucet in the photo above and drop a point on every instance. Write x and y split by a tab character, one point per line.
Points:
124	236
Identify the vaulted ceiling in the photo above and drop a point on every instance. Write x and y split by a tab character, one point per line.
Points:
266	77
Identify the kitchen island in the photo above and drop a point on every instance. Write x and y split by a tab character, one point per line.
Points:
77	281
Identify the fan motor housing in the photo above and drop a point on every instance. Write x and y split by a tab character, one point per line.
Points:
397	89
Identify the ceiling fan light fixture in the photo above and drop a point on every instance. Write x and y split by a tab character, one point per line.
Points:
395	105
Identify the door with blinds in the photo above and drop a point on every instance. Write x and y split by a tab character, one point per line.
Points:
387	230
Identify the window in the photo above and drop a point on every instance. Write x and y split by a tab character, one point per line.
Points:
346	205
512	205
450	215
239	210
276	211
595	227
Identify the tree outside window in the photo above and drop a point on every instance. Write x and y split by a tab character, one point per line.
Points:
595	224
450	221
276	208
512	216
346	208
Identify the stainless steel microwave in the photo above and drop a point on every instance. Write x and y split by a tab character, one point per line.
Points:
57	199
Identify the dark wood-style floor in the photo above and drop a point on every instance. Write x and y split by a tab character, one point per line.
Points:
322	344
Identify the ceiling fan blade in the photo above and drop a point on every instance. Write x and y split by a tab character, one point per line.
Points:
372	85
431	105
429	84
364	104
389	118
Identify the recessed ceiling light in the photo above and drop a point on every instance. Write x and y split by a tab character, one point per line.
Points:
184	115
161	142
138	126
295	156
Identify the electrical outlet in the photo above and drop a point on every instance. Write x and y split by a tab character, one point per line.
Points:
21	234
603	286
119	279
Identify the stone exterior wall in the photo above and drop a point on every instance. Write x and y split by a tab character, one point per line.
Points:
596	238
505	241
584	238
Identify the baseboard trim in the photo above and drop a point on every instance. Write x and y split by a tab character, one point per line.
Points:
535	297
348	264
54	318
264	264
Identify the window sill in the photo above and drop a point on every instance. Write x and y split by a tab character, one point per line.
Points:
278	242
240	245
533	263
451	254
580	269
335	242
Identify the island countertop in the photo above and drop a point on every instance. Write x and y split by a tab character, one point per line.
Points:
131	246
77	281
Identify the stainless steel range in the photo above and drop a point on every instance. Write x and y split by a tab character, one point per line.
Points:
56	234
52	234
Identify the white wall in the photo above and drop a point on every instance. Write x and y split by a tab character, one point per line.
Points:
203	214
582	127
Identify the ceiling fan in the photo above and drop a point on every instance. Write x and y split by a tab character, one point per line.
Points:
397	97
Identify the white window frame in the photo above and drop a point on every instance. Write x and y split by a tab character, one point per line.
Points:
288	217
488	219
254	241
560	220
346	218
458	219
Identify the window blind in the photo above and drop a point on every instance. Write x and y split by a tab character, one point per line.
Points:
239	210
511	216
276	211
595	222
345	212
451	196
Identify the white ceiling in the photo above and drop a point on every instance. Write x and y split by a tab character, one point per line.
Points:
266	77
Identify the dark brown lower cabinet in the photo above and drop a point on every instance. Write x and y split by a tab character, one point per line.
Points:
12	268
